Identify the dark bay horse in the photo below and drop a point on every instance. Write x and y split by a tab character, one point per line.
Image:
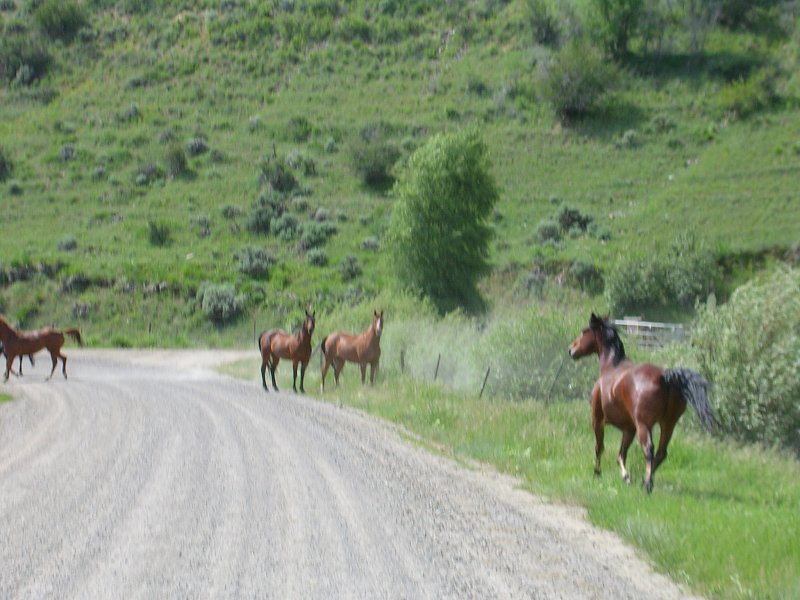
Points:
634	397
364	349
19	343
276	344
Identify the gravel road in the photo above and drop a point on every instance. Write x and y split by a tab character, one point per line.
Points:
146	475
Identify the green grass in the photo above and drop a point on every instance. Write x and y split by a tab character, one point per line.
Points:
722	519
5	397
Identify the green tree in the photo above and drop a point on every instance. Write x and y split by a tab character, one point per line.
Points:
618	20
439	233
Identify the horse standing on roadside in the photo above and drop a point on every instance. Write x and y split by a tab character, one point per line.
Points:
634	397
276	344
19	343
364	349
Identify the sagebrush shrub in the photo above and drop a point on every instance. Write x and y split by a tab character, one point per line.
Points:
678	276
61	19
749	348
314	234
548	230
220	303
277	175
349	268
23	58
254	261
158	233
374	154
267	208
6	166
576	79
176	161
317	257
196	146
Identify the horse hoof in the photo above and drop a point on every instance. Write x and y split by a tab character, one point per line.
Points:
627	479
648	487
597	472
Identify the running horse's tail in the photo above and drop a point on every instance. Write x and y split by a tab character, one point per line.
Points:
322	345
694	389
74	333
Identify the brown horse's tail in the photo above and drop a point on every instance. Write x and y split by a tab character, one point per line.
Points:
74	333
322	345
258	340
694	389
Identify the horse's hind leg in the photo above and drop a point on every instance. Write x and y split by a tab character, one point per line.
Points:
646	440
627	438
666	435
263	374
63	364
54	358
273	364
325	366
303	366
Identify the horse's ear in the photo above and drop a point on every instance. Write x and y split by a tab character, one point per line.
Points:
595	321
375	313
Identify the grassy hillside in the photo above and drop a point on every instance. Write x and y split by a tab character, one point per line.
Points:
95	229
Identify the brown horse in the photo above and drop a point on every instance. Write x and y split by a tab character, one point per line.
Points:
634	398
276	344
364	349
19	343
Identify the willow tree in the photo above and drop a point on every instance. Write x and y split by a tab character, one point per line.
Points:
439	234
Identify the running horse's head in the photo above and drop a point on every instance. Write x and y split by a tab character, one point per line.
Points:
377	322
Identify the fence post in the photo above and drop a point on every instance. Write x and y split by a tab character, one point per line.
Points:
436	372
485	377
402	361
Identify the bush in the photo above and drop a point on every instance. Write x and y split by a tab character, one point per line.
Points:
750	349
278	175
196	146
576	79
23	58
314	234
60	19
285	227
68	243
230	211
317	257
548	230
585	275
679	276
543	21
220	302
374	155
267	208
254	261
349	268
158	233
299	129
744	97
6	166
177	163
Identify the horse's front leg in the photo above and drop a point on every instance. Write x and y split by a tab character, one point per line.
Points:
363	367
294	376
373	369
303	366
598	425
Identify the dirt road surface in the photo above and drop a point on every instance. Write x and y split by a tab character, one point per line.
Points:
147	475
